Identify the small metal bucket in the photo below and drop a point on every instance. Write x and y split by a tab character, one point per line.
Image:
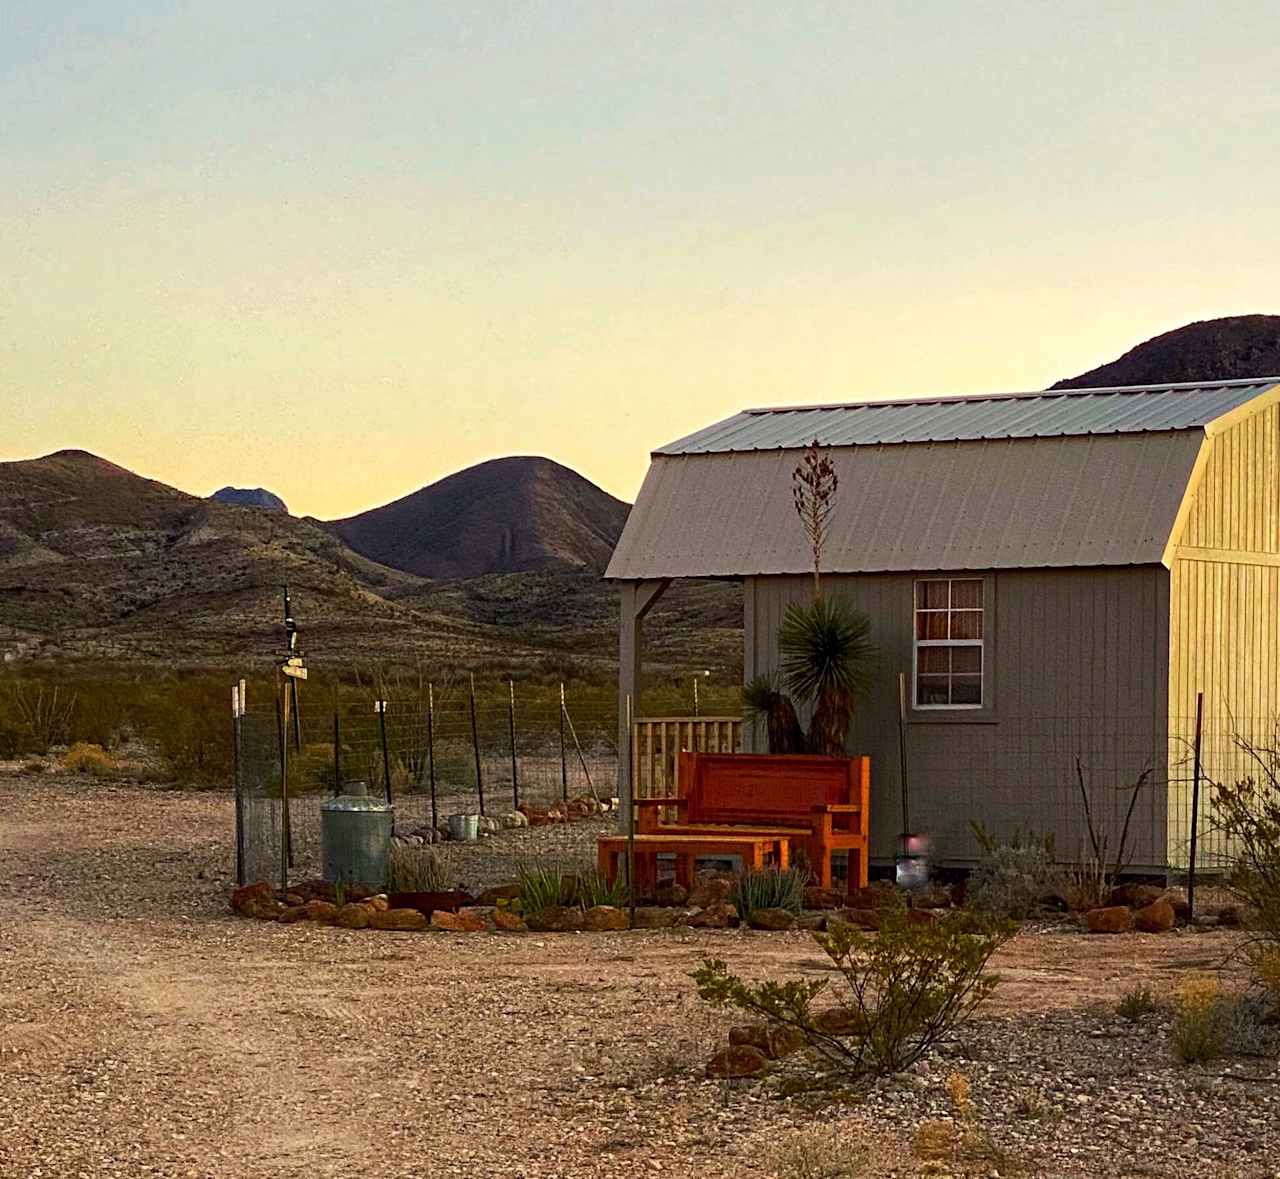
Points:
464	828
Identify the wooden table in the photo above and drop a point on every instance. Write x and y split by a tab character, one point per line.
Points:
754	847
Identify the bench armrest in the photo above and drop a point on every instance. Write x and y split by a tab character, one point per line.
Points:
838	808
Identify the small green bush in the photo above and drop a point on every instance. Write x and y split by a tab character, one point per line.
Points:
543	885
1201	1022
906	988
417	868
1011	881
594	889
770	888
1136	1003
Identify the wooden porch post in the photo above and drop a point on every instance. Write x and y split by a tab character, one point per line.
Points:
636	600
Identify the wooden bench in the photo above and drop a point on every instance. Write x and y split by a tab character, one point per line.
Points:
755	848
819	803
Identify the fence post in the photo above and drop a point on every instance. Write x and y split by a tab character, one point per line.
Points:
381	708
1195	809
475	745
629	797
286	833
337	754
236	706
511	723
564	764
431	756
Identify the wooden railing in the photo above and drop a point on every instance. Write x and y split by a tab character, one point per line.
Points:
656	740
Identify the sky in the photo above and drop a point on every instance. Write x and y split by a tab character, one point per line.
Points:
342	250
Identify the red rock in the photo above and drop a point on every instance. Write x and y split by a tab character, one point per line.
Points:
738	1060
868	919
840	1021
293	914
504	892
823	898
654	917
404	919
1111	919
1135	896
325	912
717	916
354	916
710	891
464	921
292	899
671	893
555	919
251	895
602	918
773	1042
378	904
509	922
880	895
771	919
921	916
1231	916
813	922
1157	917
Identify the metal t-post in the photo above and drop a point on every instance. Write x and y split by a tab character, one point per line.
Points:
236	738
1195	809
386	756
431	756
511	722
475	745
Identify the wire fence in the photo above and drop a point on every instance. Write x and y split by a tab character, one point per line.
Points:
489	751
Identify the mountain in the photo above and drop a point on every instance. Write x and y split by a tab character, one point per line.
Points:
1210	350
250	497
510	515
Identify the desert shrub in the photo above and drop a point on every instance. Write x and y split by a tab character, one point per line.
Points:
1011	880
1031	1104
1248	813
821	1154
34	716
314	767
16	741
417	868
905	989
1136	1003
594	888
770	888
83	758
188	721
1200	1021
1266	970
961	1139
543	885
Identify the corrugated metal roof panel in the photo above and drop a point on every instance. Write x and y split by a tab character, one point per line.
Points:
982	504
1055	413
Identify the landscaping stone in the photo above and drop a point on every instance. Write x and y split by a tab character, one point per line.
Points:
354	916
508	922
464	921
813	922
861	918
773	1043
605	917
292	914
878	895
503	892
324	912
1135	896
921	916
380	903
1157	917
823	898
654	917
1111	919
718	916
401	919
738	1060
710	891
840	1021
292	899
555	919
771	919
255	900
671	893
1231	916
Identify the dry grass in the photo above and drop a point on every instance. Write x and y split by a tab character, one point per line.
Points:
83	758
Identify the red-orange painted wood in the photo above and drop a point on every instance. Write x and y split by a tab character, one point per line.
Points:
754	848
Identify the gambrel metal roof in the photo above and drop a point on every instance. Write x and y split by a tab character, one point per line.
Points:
1077	477
1051	414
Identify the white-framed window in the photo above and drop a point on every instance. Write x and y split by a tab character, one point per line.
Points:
949	642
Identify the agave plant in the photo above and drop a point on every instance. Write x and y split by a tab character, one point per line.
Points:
828	661
761	698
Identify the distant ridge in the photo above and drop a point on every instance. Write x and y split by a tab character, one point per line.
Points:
509	515
250	497
1209	350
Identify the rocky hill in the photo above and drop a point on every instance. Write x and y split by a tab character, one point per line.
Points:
1210	350
510	515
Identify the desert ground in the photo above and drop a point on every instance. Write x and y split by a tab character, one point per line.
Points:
144	1031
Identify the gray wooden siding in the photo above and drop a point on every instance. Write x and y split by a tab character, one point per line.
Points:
1225	612
1078	666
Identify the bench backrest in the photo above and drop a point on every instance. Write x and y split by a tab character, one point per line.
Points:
761	789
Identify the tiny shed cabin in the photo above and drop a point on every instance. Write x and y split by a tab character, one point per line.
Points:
1058	575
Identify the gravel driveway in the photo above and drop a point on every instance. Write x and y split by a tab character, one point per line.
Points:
145	1032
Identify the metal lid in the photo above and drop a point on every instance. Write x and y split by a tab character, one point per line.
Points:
356	797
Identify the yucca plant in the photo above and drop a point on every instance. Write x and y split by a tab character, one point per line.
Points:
828	660
762	699
770	888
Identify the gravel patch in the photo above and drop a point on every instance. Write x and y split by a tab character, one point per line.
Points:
146	1032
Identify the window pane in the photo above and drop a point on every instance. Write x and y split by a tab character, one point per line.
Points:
966	624
966	689
931	595
966	595
931	626
934	660
932	689
963	659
